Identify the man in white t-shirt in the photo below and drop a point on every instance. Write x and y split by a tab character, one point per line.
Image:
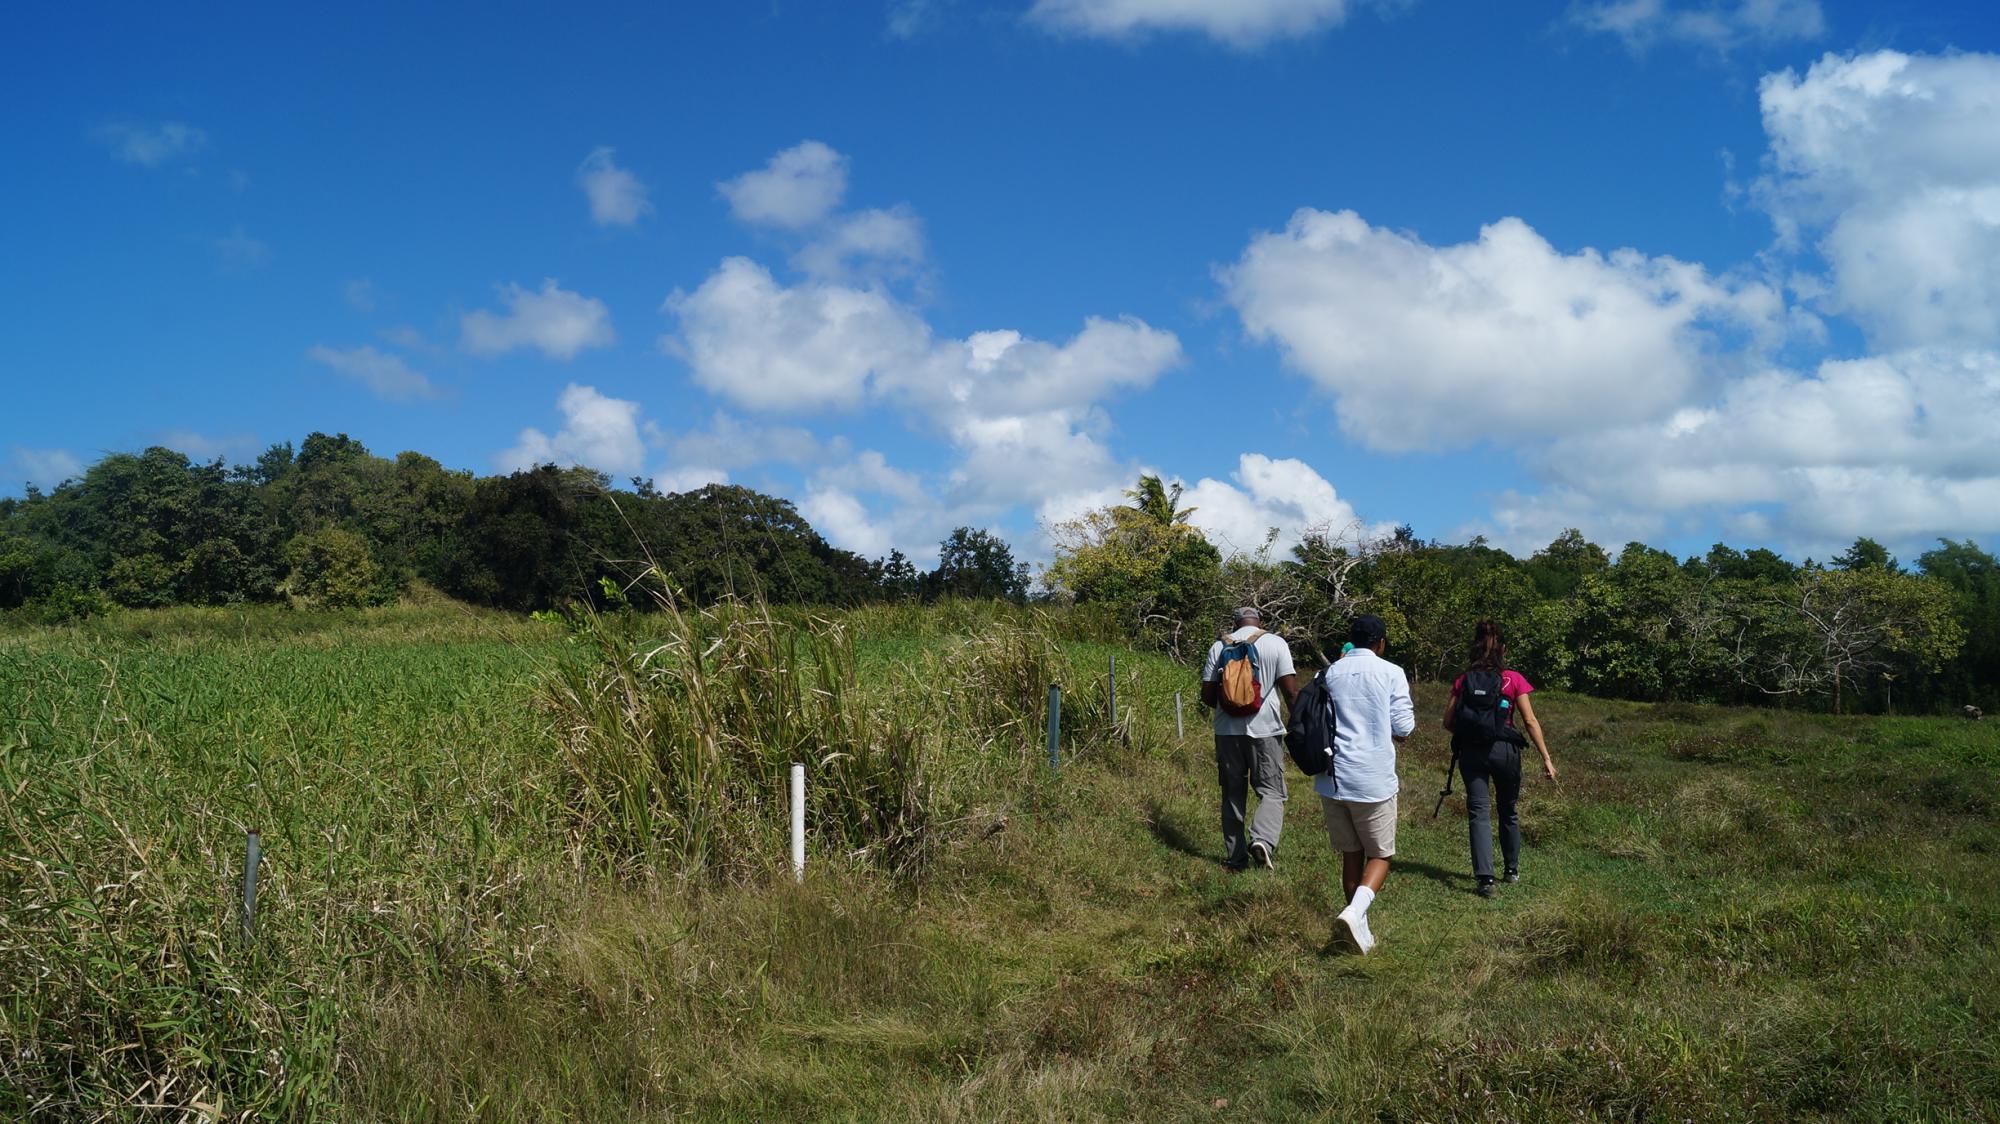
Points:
1250	748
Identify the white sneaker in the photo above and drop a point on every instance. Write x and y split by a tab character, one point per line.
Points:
1260	855
1352	927
1363	939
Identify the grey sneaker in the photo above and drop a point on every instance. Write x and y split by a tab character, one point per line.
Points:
1260	855
1487	889
1511	877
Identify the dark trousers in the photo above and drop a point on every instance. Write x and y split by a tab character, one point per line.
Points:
1494	774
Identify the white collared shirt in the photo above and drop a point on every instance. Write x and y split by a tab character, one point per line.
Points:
1372	708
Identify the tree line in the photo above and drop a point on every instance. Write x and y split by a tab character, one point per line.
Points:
1862	631
328	525
331	525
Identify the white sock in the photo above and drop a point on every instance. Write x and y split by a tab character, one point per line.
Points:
1362	897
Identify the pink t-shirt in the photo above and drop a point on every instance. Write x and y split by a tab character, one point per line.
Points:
1512	685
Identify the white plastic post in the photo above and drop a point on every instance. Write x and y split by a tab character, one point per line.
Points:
1180	730
798	822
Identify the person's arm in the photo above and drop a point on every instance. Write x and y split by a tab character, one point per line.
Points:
1451	709
1402	709
1210	687
1286	676
1527	710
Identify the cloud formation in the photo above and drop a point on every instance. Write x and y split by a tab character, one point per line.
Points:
554	321
1892	445
150	146
1239	23
805	348
1020	411
1431	347
1723	25
617	198
1264	495
386	375
597	432
44	468
1888	165
797	188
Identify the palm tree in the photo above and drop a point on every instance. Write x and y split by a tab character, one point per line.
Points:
1156	502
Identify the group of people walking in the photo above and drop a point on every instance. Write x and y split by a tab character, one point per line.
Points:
1372	713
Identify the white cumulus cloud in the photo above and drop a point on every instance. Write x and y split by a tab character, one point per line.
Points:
842	519
811	347
597	432
554	321
1021	411
1893	445
617	198
689	478
1428	346
797	188
874	243
383	373
1265	494
1889	164
1239	23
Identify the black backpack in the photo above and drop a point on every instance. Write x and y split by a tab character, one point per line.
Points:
1309	731
1481	718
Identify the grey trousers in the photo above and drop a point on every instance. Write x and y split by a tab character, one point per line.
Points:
1492	777
1243	763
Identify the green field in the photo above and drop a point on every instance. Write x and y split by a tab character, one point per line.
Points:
1725	914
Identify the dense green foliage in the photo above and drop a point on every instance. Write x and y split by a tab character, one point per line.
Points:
1725	914
336	526
1728	627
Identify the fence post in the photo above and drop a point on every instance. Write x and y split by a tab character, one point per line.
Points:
798	822
1055	725
252	854
1180	728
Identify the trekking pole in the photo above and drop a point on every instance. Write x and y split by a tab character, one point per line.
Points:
1449	769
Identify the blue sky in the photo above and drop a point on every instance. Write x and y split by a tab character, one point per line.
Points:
1672	271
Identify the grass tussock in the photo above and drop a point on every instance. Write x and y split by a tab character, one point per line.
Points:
678	732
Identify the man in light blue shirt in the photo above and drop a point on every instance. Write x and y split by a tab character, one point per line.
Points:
1372	712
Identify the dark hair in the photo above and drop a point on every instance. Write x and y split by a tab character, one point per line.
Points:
1489	649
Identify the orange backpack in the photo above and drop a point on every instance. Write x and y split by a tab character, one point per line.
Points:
1239	691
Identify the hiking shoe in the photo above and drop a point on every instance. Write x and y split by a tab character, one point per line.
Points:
1260	855
1511	877
1487	889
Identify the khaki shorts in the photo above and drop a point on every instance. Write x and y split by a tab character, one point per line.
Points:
1369	828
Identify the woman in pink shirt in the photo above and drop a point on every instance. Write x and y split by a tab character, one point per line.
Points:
1480	717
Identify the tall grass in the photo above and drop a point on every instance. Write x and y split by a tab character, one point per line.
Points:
476	903
677	728
678	733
